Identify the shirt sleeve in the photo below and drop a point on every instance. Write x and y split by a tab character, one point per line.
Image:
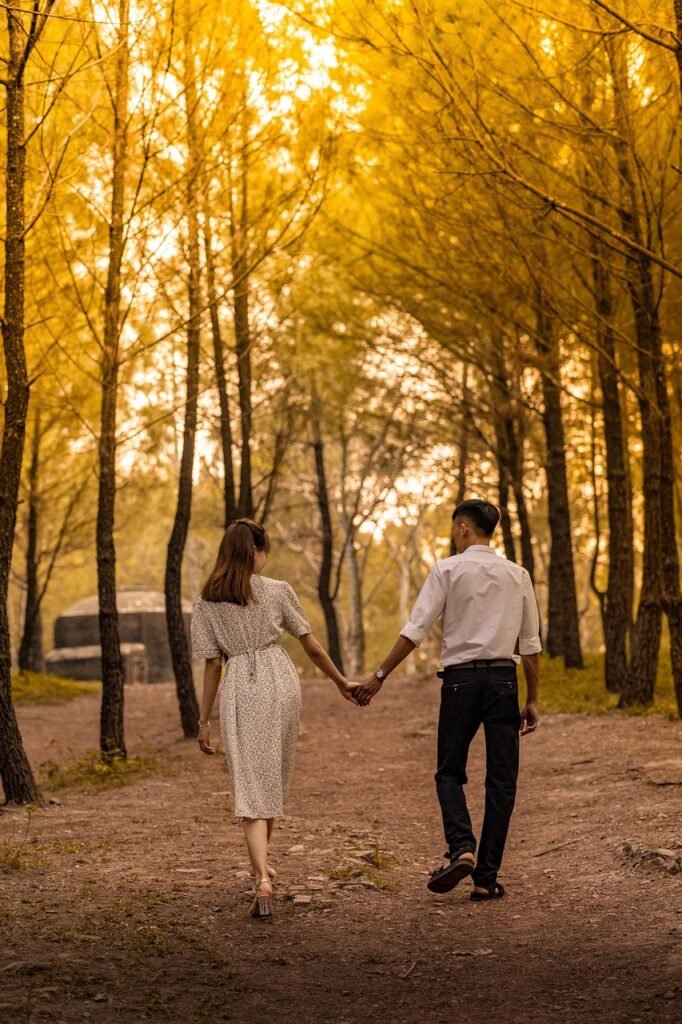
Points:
428	606
293	616
204	643
529	636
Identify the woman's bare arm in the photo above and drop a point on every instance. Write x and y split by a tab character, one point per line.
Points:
213	668
319	657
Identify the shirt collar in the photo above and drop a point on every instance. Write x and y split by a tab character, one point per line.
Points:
478	549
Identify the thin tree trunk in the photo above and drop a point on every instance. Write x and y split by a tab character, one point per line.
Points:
463	447
31	657
356	626
563	632
618	598
220	374
326	562
112	742
15	770
505	519
501	412
177	636
239	221
640	681
515	449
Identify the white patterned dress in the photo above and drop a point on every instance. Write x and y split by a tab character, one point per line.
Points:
260	693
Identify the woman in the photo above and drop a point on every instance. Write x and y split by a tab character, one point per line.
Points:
240	617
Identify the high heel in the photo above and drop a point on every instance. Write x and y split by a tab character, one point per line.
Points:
262	904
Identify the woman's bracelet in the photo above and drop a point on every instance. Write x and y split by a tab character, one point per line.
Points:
203	725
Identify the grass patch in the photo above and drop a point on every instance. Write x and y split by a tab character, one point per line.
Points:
575	691
379	859
355	872
36	688
91	773
19	853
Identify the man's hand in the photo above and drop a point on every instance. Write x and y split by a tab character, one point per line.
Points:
367	689
529	718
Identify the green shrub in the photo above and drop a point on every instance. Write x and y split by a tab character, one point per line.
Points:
90	772
576	691
36	688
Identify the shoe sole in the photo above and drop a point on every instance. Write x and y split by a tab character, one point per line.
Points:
451	877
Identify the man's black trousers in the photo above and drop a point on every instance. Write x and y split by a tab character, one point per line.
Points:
471	697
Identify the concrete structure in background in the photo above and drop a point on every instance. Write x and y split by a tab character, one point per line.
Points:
144	638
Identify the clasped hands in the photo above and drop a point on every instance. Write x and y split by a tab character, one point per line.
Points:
362	691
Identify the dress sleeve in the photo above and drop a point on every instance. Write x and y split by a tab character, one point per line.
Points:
293	616
204	643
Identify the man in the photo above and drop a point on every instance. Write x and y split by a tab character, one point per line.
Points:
489	612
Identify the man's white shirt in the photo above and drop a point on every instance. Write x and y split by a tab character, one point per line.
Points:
487	604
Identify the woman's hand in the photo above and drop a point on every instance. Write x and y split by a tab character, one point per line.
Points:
368	689
347	691
204	738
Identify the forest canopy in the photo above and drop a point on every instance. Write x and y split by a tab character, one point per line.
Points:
336	266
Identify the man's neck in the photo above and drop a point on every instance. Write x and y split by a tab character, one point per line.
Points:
477	542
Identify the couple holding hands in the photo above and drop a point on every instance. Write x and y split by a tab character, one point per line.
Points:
490	618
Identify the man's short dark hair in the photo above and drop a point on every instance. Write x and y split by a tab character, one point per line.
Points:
482	515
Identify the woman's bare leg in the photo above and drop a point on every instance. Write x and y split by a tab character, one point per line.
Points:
256	834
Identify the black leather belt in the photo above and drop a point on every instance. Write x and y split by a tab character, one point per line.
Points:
483	663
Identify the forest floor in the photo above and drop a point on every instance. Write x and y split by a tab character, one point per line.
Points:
130	904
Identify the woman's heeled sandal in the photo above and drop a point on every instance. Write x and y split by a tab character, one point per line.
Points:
262	904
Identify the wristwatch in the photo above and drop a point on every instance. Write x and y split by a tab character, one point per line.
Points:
380	674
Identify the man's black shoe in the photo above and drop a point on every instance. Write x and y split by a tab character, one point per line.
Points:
446	878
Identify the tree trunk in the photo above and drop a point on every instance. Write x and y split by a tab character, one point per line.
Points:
112	742
220	374
326	562
31	657
177	636
515	450
356	627
15	770
500	413
617	600
463	446
563	632
239	222
640	681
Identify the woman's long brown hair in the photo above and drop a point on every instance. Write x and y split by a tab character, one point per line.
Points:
231	578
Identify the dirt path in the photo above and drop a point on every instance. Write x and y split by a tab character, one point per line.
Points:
132	904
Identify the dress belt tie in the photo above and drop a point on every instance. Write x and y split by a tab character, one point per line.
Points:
251	655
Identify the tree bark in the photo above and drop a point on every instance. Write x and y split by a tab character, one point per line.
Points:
640	681
326	561
463	446
563	632
239	222
618	598
220	374
177	636
515	450
355	647
15	770
112	742
503	499
501	413
31	658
